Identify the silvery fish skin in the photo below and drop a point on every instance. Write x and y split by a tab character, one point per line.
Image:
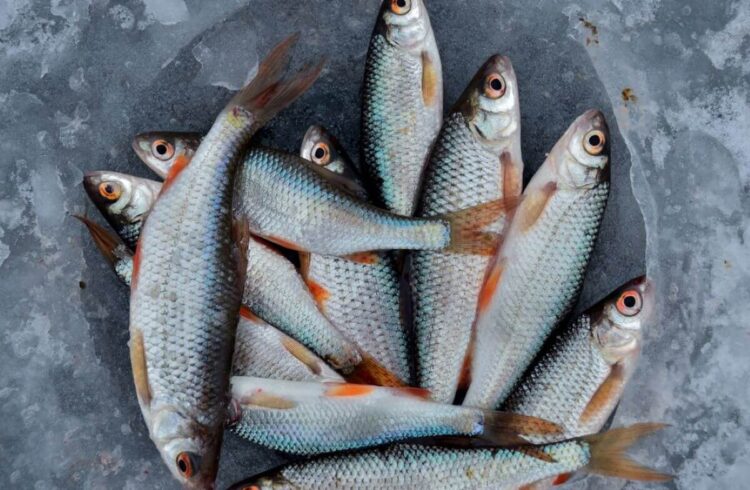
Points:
275	292
409	466
313	418
160	149
579	379
260	349
264	351
540	266
476	159
187	285
300	206
124	200
360	299
402	103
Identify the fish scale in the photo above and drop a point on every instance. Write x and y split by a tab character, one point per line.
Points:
478	149
362	300
540	267
401	107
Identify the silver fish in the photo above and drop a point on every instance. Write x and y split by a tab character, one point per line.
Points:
476	159
301	206
313	418
539	268
427	467
580	377
124	200
187	285
402	103
361	299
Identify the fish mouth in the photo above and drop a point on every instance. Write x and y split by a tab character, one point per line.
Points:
91	182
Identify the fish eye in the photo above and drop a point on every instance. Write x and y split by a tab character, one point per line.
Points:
162	149
110	190
629	303
187	464
594	142
494	86
321	154
400	7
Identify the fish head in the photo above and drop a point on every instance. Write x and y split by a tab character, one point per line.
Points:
190	449
123	199
581	156
159	150
404	23
490	103
323	149
617	323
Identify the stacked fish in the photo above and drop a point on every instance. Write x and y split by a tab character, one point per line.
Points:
267	292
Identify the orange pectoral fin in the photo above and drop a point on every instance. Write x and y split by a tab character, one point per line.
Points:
511	177
302	354
267	400
490	286
180	163
367	258
343	390
247	314
319	293
284	243
607	391
139	366
370	371
430	80
563	478
533	206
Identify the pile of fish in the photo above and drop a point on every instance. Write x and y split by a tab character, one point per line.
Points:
403	323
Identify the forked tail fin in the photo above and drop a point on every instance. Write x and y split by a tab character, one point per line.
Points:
269	92
467	227
608	456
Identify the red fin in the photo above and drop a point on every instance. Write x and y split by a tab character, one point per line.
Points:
465	379
285	243
106	242
511	177
607	391
490	286
304	265
466	227
608	456
319	293
413	391
348	390
533	205
180	164
136	265
370	371
247	314
560	479
367	258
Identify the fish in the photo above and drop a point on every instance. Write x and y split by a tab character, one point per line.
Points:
302	206
476	159
420	466
260	349
361	298
538	270
159	150
402	103
124	200
187	281
579	378
309	418
275	292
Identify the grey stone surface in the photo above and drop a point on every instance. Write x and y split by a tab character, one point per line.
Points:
79	77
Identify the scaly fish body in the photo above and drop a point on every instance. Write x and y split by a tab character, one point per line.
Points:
476	159
427	467
124	200
360	299
402	103
289	201
260	349
276	292
540	266
186	287
579	379
314	418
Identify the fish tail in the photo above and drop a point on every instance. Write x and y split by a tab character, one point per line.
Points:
608	456
467	233
512	429
106	242
269	92
370	371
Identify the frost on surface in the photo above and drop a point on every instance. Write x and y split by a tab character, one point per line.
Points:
78	78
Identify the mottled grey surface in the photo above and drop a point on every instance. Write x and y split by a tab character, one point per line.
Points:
79	77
